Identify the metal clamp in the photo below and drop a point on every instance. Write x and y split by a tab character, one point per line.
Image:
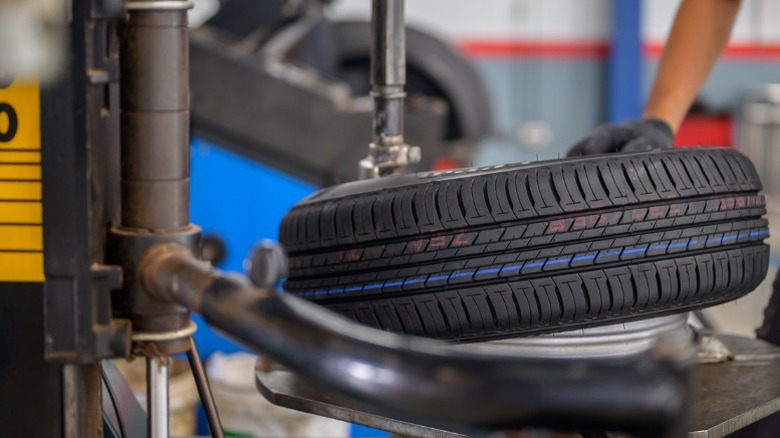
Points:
383	161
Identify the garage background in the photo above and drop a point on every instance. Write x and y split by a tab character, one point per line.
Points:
554	70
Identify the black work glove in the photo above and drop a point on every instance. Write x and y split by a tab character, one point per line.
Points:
634	136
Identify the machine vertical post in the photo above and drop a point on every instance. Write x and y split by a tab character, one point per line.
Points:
155	182
388	71
388	152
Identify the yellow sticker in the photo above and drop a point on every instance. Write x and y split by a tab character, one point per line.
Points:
21	208
21	266
20	172
19	157
20	116
22	212
21	238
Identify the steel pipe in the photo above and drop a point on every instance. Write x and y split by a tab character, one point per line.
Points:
204	391
388	71
157	396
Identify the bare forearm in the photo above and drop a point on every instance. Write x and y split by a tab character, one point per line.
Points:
701	30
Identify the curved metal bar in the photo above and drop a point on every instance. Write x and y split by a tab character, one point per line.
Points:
418	379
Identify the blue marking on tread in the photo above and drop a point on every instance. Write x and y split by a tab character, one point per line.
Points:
558	261
488	271
518	267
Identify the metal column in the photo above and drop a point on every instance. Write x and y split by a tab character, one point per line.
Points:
624	84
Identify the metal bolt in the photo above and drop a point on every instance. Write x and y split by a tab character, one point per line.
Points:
266	264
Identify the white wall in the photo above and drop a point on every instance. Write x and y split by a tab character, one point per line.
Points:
758	21
559	20
553	20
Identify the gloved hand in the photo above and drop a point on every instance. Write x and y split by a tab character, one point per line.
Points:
634	136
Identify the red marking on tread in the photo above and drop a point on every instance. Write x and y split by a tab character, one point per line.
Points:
437	242
677	209
609	218
638	214
656	212
740	202
585	221
556	226
458	240
417	245
712	205
353	255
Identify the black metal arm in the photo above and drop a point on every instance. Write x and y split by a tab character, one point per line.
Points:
417	379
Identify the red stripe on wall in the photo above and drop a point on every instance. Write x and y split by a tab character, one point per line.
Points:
508	49
737	52
532	49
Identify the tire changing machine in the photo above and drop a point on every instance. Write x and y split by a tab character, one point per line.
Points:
100	261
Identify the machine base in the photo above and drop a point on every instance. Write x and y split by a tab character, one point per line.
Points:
729	395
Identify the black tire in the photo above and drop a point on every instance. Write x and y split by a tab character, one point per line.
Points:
502	251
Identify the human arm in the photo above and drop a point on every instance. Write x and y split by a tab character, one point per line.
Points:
700	31
699	34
